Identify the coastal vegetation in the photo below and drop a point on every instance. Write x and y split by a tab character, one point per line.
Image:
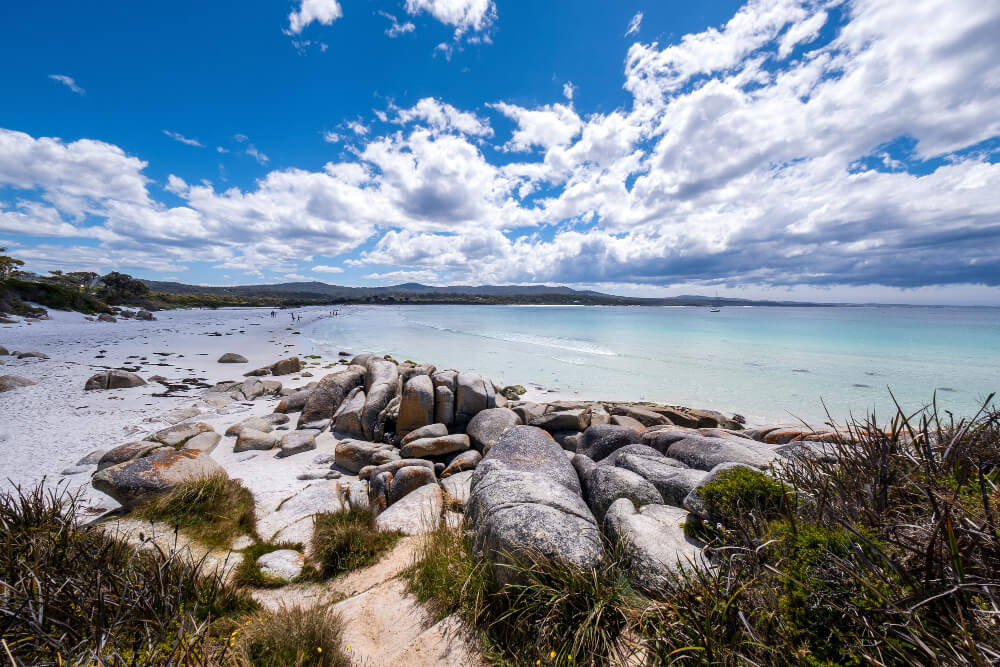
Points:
887	552
345	541
213	510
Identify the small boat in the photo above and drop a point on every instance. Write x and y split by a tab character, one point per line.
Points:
715	308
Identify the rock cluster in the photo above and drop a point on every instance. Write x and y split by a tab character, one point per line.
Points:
416	446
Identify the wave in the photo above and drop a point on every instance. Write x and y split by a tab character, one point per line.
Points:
557	342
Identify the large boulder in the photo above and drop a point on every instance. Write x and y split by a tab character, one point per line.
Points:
530	449
603	485
137	480
353	455
176	436
526	502
127	452
381	387
408	479
653	541
562	420
296	442
330	393
286	366
475	394
458	442
706	453
465	461
232	358
11	382
523	515
444	405
250	439
113	380
348	417
416	408
674	482
416	513
642	415
429	431
294	402
598	442
408	370
205	442
614	457
488	425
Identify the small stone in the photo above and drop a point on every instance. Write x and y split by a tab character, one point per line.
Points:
296	442
283	564
233	358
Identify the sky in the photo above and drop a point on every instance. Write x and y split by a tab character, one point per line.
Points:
836	150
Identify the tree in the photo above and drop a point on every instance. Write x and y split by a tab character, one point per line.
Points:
8	264
123	287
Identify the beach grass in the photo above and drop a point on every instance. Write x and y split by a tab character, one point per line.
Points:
887	553
76	595
543	611
291	637
213	510
345	541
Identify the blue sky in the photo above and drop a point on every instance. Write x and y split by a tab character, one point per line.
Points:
820	149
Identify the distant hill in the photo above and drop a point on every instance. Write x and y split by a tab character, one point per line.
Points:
304	293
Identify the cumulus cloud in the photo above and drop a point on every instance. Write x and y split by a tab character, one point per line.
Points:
323	268
782	148
324	12
443	117
69	82
569	90
466	16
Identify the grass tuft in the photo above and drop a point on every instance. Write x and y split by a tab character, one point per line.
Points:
214	510
291	637
555	614
247	573
346	541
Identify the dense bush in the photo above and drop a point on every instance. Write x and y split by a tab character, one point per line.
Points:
291	637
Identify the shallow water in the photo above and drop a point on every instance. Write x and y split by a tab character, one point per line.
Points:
769	364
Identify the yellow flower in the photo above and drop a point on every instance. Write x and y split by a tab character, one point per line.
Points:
319	649
552	654
348	647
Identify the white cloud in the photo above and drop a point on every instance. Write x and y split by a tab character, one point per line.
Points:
443	117
177	136
331	137
545	127
324	12
569	90
257	155
323	268
69	82
464	15
396	28
634	24
733	162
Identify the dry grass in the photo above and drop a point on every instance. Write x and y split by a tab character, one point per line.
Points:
214	510
291	637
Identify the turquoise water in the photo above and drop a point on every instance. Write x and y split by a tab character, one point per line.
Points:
769	364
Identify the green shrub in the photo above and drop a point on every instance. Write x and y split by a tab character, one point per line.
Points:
73	595
213	510
291	637
737	492
346	541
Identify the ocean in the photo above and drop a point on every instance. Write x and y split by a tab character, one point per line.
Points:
769	364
